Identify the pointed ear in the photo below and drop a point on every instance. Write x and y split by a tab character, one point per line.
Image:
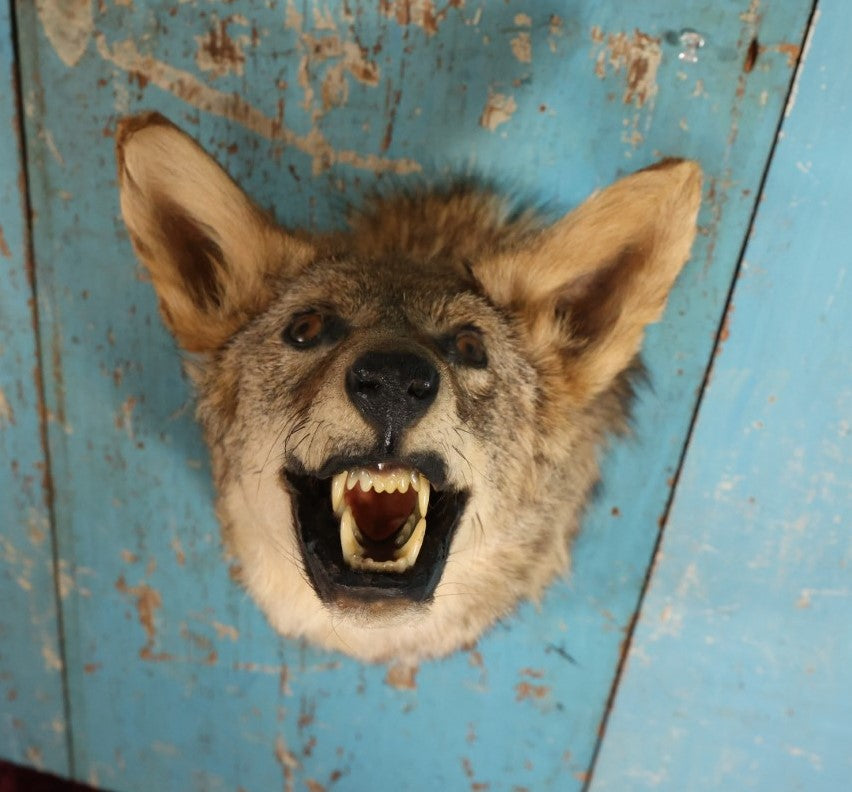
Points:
586	288
208	248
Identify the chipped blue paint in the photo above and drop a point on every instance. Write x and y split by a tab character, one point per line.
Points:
739	673
32	718
175	680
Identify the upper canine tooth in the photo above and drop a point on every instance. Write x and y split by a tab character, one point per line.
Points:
338	485
423	498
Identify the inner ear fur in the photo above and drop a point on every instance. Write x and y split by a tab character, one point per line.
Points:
586	288
208	248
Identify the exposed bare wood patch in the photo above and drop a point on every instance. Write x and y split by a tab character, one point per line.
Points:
148	602
638	56
7	414
189	88
219	52
68	25
402	677
420	13
526	690
522	47
288	761
4	246
498	110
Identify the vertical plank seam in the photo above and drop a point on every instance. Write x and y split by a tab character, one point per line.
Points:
30	266
649	573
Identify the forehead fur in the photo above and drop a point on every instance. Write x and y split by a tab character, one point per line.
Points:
394	290
461	220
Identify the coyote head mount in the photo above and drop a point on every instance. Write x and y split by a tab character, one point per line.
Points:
404	419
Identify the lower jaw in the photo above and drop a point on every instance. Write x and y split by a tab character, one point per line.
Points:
376	615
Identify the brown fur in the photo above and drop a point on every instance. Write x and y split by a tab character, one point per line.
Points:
562	310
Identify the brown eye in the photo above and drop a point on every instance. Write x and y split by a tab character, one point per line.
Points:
311	328
469	349
308	329
305	328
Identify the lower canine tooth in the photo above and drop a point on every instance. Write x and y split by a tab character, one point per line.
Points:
412	547
405	532
348	542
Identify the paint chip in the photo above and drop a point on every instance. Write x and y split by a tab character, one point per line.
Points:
420	13
527	691
148	602
187	87
219	53
226	631
68	25
52	660
402	677
4	246
522	47
638	56
498	110
7	414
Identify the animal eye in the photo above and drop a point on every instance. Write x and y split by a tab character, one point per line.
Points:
305	329
310	328
469	349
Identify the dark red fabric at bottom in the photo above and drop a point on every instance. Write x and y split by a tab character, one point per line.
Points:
21	779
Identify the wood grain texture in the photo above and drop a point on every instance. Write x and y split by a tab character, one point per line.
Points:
739	674
175	679
32	717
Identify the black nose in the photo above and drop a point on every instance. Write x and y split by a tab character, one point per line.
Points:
392	389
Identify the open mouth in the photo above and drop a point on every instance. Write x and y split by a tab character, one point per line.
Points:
375	530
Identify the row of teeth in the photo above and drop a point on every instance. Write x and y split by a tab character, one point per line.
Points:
408	541
378	480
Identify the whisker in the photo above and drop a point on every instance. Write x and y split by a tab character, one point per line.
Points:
459	429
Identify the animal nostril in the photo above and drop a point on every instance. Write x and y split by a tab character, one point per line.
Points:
420	389
392	389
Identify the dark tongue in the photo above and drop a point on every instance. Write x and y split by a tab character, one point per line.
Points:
379	515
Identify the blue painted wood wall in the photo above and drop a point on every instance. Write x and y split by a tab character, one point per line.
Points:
129	659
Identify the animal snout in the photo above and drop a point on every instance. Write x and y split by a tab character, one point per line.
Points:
392	389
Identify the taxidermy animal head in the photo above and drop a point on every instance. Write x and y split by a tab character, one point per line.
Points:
404	419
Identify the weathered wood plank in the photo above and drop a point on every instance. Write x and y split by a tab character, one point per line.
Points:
739	674
32	718
175	679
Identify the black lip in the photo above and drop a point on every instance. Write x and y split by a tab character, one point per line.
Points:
318	531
